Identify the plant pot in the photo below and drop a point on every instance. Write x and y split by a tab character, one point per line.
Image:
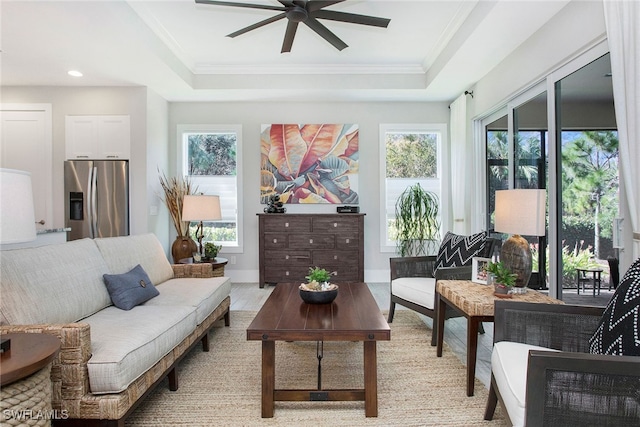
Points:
319	297
501	291
183	247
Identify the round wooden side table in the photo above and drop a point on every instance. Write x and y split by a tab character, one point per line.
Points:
25	379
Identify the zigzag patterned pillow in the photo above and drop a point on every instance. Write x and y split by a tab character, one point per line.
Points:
619	329
457	251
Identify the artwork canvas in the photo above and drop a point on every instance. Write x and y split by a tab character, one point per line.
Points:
309	163
478	272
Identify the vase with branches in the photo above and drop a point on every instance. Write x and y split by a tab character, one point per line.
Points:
174	190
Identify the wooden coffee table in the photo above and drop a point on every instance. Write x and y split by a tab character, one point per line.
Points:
353	316
476	303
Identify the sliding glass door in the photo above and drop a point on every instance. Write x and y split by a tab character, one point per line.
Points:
561	136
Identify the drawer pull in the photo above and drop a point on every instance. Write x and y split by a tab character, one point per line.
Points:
347	241
335	224
275	240
335	257
299	257
286	257
311	241
286	273
286	224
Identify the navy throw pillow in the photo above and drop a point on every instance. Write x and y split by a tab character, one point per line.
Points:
130	289
619	330
458	251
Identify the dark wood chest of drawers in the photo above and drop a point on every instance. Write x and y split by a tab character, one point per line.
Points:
291	243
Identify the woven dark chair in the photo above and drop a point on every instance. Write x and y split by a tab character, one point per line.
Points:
614	272
568	387
423	299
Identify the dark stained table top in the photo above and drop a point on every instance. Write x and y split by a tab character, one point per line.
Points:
29	353
353	316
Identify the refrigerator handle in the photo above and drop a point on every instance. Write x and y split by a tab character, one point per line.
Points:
89	202
94	203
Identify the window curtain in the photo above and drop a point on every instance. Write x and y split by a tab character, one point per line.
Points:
458	170
622	19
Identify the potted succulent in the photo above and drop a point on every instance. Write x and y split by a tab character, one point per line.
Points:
211	250
318	290
503	279
417	225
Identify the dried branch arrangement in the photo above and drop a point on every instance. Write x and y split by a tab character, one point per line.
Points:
174	191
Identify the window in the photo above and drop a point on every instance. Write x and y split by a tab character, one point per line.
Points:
410	154
210	155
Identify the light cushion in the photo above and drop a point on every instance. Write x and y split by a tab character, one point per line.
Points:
130	289
509	363
125	344
59	283
202	294
458	251
419	290
619	330
124	253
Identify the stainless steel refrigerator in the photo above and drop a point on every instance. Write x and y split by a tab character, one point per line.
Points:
96	198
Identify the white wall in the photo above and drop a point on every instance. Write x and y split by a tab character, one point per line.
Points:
93	100
157	159
252	115
577	27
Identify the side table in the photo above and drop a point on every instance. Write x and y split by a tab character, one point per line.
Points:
217	264
476	303
25	378
583	278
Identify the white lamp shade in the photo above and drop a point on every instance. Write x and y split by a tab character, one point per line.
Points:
201	208
17	217
520	211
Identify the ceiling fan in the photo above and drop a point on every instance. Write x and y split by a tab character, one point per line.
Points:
306	11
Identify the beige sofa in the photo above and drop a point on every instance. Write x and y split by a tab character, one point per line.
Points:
109	358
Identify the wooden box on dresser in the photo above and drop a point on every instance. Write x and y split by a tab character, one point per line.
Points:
291	243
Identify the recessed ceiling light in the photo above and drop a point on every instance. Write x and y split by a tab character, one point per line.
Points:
75	73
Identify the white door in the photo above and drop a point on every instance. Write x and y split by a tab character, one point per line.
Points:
26	144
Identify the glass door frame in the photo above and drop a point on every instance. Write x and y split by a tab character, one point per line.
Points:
547	84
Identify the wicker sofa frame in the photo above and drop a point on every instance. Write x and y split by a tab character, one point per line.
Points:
570	387
71	394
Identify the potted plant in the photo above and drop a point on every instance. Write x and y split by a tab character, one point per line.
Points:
318	290
503	279
417	225
211	250
174	190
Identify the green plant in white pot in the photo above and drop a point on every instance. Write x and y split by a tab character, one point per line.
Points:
417	224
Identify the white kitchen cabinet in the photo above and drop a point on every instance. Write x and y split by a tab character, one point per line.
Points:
97	137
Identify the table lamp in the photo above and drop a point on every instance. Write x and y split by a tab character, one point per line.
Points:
519	212
17	216
201	208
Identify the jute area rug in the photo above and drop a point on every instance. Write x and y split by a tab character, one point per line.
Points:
222	387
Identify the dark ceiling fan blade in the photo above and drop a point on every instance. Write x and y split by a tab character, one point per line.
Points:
258	25
289	36
351	18
314	5
247	5
325	33
287	3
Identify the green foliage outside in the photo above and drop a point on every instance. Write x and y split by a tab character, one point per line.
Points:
212	154
589	176
216	231
572	258
412	155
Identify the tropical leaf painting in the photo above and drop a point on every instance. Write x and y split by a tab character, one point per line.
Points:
309	163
